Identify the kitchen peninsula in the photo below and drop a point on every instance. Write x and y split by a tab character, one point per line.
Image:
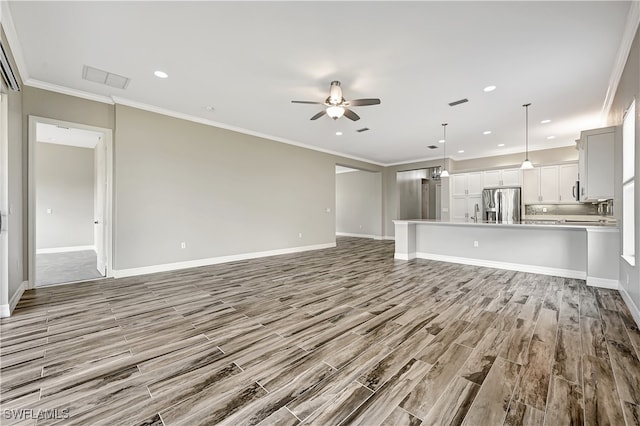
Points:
582	251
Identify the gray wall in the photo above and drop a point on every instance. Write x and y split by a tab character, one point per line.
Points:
221	192
64	184
628	89
359	203
15	222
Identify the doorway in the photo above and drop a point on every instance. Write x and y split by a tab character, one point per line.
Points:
70	201
358	203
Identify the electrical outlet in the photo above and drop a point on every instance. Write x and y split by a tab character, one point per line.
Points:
544	210
328	210
300	235
475	244
183	245
360	226
48	211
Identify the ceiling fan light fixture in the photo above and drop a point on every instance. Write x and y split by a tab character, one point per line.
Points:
335	93
335	112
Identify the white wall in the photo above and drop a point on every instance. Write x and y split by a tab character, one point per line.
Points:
359	203
221	192
65	185
629	89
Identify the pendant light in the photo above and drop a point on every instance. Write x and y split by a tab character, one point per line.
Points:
526	164
444	172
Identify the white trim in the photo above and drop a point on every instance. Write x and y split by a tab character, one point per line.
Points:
404	256
603	283
64	249
38	84
200	120
631	260
543	270
633	19
121	273
13	40
31	194
349	234
633	308
389	237
7	309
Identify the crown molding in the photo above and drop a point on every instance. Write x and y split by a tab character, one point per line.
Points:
38	84
200	120
633	20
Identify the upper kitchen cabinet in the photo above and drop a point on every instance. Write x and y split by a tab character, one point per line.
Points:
549	184
540	185
595	149
567	177
506	177
466	184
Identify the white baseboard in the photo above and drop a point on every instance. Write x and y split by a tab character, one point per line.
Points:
65	249
7	309
603	283
350	234
543	270
403	256
389	237
633	308
121	273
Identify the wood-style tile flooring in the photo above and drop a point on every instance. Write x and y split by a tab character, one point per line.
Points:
338	336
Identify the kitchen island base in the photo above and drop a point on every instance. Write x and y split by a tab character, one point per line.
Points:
582	252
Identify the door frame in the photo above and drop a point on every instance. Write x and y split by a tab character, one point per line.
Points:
108	138
4	204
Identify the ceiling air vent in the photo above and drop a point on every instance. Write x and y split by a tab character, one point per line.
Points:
364	129
104	77
432	147
458	102
7	71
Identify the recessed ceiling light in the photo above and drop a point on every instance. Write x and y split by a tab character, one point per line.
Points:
441	141
161	74
486	132
545	121
338	133
460	151
551	137
500	144
209	108
489	88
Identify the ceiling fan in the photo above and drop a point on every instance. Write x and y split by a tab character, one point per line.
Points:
337	106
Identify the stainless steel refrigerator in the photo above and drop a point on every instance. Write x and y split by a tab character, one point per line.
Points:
501	205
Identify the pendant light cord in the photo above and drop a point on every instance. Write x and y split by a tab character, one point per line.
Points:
526	133
444	153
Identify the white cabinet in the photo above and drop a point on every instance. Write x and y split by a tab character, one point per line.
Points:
466	192
549	184
567	177
463	208
466	184
511	177
596	162
506	177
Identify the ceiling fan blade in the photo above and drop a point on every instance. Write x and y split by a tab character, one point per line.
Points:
363	102
318	115
351	115
307	102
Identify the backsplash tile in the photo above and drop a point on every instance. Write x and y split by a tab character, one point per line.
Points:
569	209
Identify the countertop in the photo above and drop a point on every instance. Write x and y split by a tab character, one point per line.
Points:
527	223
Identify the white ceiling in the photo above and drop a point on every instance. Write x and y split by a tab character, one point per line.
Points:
50	133
250	59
